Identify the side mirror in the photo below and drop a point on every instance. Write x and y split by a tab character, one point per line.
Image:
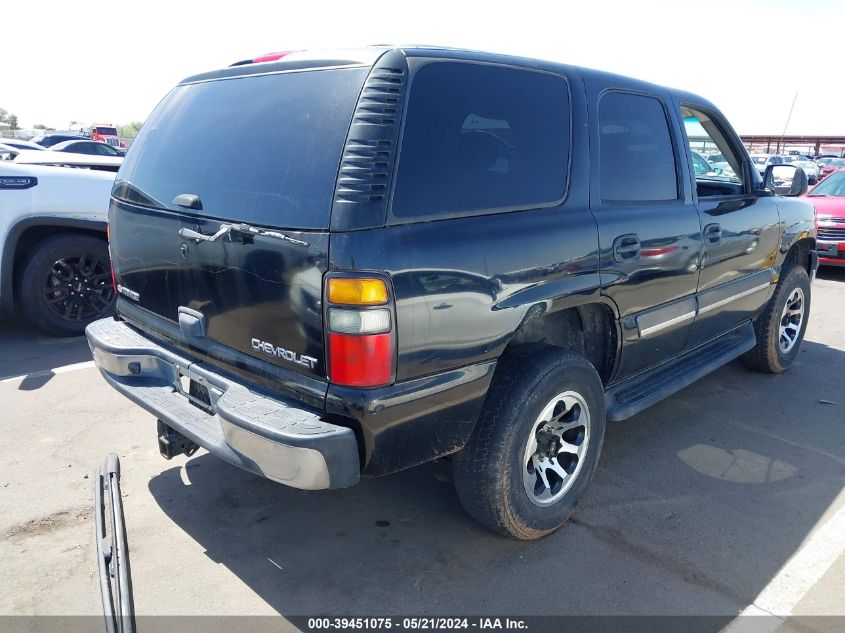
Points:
785	180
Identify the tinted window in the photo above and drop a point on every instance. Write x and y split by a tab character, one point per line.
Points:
637	159
261	149
107	131
103	150
480	138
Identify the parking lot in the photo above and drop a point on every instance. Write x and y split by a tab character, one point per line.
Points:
700	506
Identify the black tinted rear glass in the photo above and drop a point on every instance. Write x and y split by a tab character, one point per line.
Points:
481	137
258	149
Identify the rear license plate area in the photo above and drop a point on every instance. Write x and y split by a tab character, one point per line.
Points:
197	393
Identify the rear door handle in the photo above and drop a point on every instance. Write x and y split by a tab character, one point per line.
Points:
626	247
713	233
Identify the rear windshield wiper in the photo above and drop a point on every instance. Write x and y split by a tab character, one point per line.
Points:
226	229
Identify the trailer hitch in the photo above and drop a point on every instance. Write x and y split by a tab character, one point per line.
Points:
113	550
172	443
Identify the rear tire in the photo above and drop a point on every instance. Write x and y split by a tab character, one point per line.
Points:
536	445
780	328
67	284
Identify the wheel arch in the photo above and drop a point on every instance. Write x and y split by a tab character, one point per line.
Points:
588	325
22	238
799	252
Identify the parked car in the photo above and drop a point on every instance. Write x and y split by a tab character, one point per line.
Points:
54	259
313	301
48	140
64	159
95	148
828	197
762	161
834	165
13	143
700	165
715	170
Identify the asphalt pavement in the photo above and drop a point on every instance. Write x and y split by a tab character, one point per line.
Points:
705	504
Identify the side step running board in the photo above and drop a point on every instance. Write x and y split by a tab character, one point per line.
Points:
112	550
639	392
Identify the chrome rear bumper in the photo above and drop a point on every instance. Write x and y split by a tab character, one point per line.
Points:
275	438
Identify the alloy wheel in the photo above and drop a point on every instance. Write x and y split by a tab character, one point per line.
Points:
791	320
556	448
79	288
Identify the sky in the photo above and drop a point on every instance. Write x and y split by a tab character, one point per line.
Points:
112	61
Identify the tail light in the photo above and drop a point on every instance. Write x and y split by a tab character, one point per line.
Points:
360	331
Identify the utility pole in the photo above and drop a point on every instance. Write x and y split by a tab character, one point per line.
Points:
786	125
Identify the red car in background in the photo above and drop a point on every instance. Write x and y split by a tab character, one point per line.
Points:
829	199
830	167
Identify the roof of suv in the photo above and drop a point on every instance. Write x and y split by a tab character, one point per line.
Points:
367	56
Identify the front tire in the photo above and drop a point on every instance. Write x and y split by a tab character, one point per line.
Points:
536	445
67	284
780	328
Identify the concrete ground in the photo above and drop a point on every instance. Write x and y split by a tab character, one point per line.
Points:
707	503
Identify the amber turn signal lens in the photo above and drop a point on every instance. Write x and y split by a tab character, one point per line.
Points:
361	292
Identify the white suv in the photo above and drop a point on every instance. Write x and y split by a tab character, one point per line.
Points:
54	257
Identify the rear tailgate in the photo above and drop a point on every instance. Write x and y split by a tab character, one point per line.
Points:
261	152
257	294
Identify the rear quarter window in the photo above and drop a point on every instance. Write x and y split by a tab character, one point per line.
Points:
482	138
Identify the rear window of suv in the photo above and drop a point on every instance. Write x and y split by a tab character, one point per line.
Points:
482	138
258	149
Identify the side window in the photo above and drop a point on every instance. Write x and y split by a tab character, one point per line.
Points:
637	160
707	139
478	138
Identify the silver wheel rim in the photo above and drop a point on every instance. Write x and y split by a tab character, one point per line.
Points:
791	321
556	448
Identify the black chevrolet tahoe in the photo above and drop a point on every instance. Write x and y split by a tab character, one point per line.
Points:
344	264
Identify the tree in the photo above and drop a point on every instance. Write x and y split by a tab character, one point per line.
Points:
39	126
130	130
7	117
